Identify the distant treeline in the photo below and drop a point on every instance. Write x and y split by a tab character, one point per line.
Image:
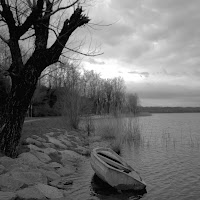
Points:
156	109
67	90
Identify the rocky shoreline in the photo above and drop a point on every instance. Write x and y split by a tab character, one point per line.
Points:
41	170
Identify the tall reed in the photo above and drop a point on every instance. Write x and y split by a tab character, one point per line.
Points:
120	130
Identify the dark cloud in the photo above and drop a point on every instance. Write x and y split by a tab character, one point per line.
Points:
96	62
171	94
145	74
158	36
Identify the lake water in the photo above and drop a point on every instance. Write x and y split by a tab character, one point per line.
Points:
167	157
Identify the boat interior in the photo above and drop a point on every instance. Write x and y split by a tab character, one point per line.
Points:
111	161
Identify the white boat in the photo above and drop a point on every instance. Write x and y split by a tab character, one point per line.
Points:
111	168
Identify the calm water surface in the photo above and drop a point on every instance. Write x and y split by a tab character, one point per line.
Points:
167	157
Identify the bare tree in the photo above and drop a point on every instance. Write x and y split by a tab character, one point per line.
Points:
133	103
31	19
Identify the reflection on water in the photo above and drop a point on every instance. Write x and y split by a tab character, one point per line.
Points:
104	191
167	157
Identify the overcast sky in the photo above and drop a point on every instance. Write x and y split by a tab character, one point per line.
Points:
154	45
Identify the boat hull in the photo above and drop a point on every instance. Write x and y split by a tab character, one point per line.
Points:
114	177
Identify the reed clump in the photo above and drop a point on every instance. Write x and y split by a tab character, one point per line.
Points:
119	130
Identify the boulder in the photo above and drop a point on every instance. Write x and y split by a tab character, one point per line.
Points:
55	165
33	141
41	156
70	155
65	140
65	171
29	178
29	159
51	175
30	193
2	169
7	195
62	183
7	162
38	138
49	150
8	183
56	142
48	145
50	134
49	191
83	150
34	148
19	167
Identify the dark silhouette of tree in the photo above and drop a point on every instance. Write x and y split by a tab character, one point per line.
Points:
21	20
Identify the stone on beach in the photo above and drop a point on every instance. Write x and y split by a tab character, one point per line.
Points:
49	191
34	147
7	162
41	156
65	140
29	178
30	193
62	183
42	173
66	170
49	150
8	183
29	159
56	142
38	138
2	169
33	141
70	154
51	175
7	195
55	165
48	145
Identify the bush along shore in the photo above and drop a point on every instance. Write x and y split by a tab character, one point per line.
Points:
42	168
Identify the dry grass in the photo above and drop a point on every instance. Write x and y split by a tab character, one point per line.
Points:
118	129
40	127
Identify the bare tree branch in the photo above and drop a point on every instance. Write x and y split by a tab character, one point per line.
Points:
75	21
61	8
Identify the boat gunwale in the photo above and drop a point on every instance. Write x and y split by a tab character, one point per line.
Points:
115	169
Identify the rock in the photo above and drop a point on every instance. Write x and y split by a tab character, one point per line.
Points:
19	167
49	191
70	155
33	141
50	134
62	183
38	138
41	156
51	175
30	193
29	159
48	145
56	142
7	162
95	138
49	150
55	165
67	170
8	183
2	169
83	150
7	195
65	140
34	148
29	178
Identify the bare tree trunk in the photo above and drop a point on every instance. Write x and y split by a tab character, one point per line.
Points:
15	111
